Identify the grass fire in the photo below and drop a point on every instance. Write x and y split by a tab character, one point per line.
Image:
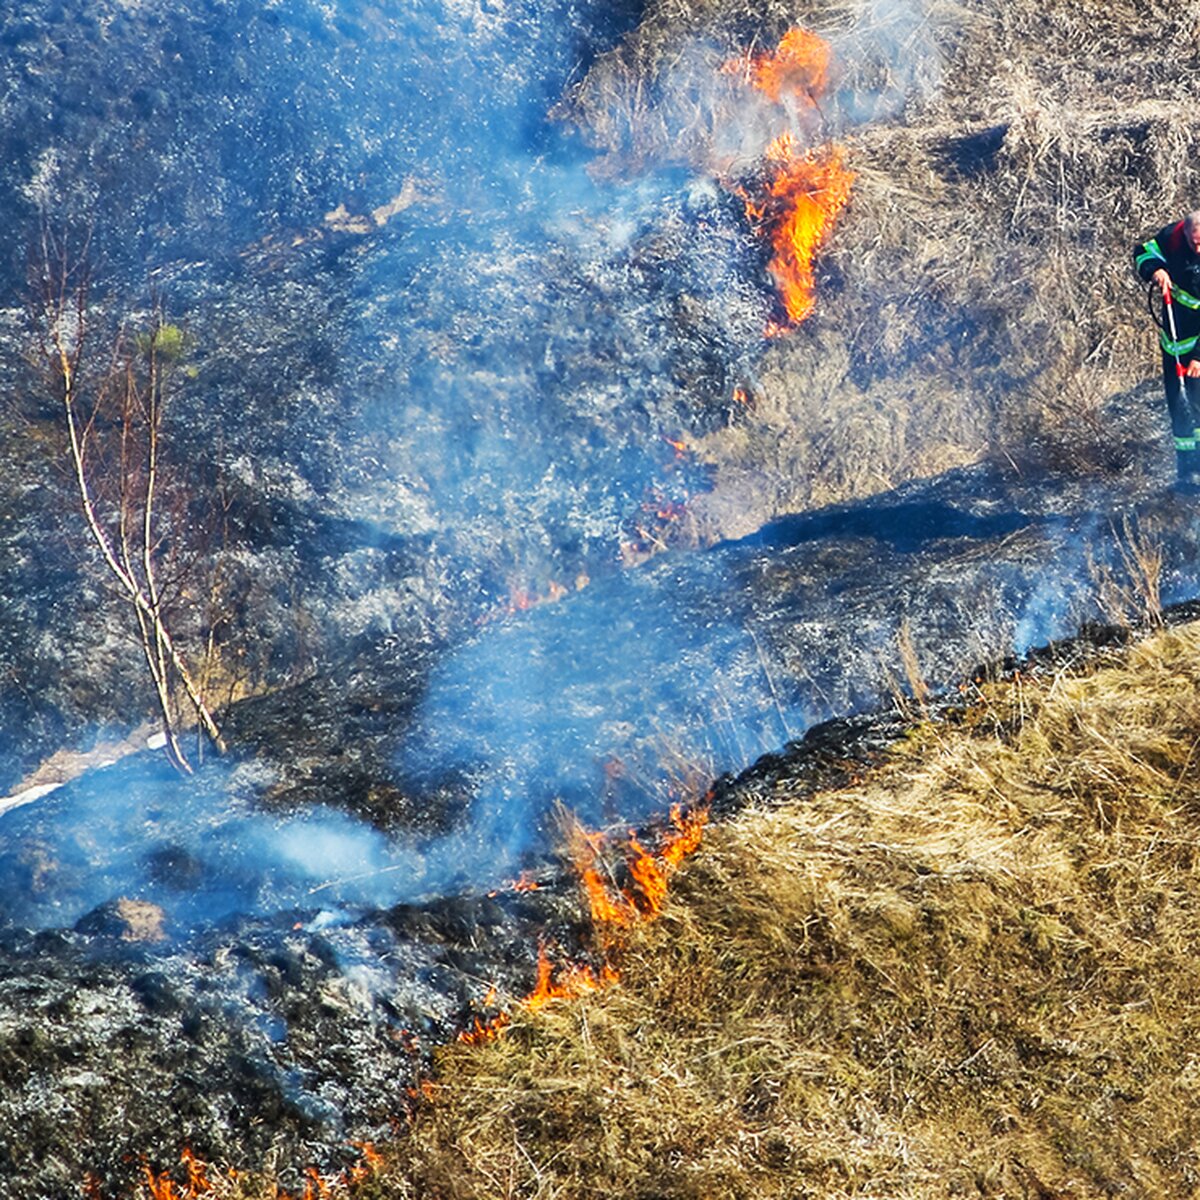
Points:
738	426
804	188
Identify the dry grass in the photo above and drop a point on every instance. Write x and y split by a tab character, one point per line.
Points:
972	974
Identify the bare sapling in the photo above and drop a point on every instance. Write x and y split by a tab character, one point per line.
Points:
113	393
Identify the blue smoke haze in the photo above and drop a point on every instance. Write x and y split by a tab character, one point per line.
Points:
510	348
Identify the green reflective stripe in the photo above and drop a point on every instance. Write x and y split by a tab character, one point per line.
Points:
1151	251
1185	443
1184	298
1183	346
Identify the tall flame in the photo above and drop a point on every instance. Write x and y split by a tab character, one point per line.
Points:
805	189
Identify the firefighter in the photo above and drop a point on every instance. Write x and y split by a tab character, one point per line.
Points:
1171	260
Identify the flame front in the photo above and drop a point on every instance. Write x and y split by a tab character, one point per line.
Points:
160	1186
805	189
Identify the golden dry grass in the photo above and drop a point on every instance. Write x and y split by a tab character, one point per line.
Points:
973	973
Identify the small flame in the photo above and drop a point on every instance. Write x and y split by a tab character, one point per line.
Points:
484	1031
610	906
807	192
798	70
316	1185
370	1165
805	188
163	1187
650	872
572	980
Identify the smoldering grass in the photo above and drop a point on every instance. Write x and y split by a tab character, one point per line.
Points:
1128	589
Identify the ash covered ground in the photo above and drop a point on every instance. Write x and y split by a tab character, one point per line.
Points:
473	401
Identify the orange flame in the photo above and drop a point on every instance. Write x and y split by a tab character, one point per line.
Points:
609	906
650	872
798	69
162	1187
805	189
573	979
316	1185
371	1163
807	192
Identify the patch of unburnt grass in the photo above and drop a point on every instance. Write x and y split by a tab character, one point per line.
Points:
972	973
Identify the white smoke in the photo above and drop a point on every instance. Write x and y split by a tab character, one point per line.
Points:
887	60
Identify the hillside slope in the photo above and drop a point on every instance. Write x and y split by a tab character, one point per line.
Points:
977	295
971	972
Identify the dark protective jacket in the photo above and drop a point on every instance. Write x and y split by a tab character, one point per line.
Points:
1169	249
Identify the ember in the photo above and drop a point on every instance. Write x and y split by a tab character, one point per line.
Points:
521	599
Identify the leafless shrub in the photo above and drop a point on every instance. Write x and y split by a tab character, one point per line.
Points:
113	399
